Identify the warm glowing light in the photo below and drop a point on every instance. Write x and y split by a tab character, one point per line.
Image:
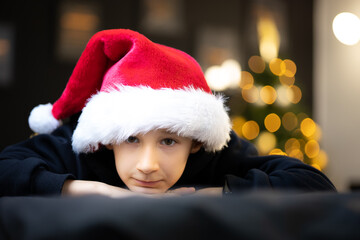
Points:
232	71
228	75
272	122
247	80
237	124
287	81
265	142
285	69
294	94
268	94
213	78
308	127
291	144
269	39
256	64
321	159
4	47
289	121
312	148
277	151
346	28
290	68
296	153
250	130
316	166
277	66
79	21
318	133
283	98
250	95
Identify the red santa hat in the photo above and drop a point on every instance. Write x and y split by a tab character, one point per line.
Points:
124	84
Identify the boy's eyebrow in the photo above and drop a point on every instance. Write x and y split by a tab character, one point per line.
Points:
164	131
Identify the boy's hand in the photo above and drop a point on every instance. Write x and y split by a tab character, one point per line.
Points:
80	187
214	191
181	191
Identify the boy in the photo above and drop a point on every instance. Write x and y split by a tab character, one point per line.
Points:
142	121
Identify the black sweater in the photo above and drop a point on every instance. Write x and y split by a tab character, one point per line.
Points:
40	165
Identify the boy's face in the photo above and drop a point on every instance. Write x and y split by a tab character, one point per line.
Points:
153	162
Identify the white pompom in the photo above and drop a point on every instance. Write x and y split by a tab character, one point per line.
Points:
41	119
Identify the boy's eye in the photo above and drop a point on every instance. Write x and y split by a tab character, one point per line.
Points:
132	139
168	142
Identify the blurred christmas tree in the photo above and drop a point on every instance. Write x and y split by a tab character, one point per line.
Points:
269	113
265	101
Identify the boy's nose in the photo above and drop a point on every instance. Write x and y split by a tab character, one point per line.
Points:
148	161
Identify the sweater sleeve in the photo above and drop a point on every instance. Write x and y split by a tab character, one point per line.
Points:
39	165
271	172
282	173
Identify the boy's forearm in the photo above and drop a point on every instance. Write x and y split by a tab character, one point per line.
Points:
82	187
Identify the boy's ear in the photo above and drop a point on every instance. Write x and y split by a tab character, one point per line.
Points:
195	146
109	147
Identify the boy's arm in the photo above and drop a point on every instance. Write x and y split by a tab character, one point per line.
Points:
282	173
39	165
270	172
81	187
238	168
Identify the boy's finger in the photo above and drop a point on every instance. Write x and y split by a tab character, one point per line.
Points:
183	190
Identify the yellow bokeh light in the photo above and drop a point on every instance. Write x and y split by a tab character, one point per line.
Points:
268	94
269	38
237	124
291	144
312	148
282	96
277	151
277	66
316	166
266	142
308	127
318	133
321	159
294	94
296	153
287	81
290	68
247	80
250	130
250	95
272	122
289	121
256	64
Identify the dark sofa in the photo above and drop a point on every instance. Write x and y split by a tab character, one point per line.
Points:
252	215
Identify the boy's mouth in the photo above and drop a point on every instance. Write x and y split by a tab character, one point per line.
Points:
146	183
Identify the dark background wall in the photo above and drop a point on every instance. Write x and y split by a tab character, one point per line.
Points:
40	77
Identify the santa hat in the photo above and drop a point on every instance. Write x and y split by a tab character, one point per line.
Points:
125	84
